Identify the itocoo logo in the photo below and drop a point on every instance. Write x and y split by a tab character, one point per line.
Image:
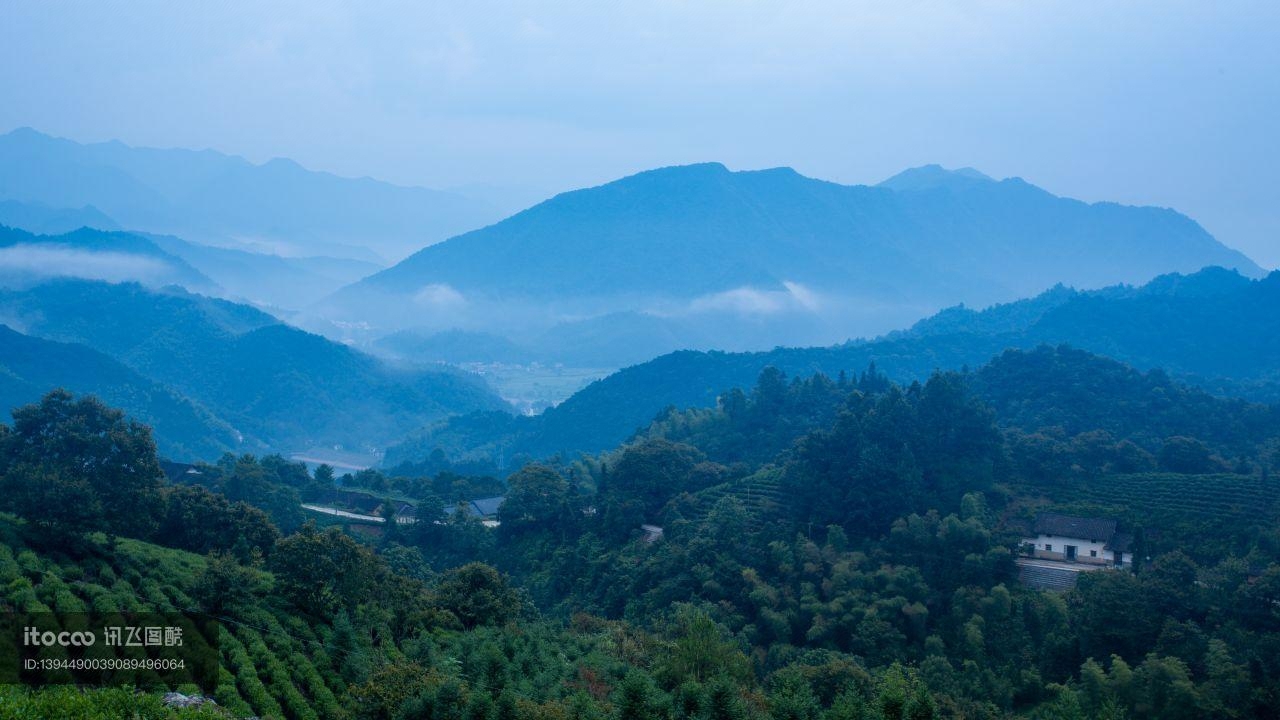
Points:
32	637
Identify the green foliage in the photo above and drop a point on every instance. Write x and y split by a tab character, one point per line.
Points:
538	499
72	703
888	455
861	572
276	384
637	698
224	586
202	521
75	466
645	477
700	651
322	572
477	595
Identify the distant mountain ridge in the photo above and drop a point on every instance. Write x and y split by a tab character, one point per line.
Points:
43	219
206	196
1214	329
96	255
278	282
754	259
281	387
31	367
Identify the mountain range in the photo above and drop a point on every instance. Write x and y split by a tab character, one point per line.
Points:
31	367
278	387
111	258
277	207
702	257
1215	329
85	243
26	259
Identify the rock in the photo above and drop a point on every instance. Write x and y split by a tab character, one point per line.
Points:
178	700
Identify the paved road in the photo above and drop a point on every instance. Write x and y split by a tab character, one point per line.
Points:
354	516
343	513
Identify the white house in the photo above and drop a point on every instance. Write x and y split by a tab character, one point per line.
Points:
1092	541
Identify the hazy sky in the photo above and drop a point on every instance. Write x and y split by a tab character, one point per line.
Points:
1163	102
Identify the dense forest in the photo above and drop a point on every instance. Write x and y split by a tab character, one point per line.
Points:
1213	329
829	548
213	375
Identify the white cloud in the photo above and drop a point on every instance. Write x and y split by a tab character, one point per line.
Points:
439	296
747	300
807	298
56	261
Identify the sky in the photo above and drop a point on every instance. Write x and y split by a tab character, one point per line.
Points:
1164	102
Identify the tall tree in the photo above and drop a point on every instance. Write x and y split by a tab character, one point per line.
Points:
71	466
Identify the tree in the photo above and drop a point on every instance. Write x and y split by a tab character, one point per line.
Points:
637	698
792	698
321	485
723	701
1186	455
323	572
270	485
224	585
903	696
701	652
537	499
201	521
645	477
1165	690
72	466
478	595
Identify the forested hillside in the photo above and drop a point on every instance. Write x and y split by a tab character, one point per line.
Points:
30	366
829	549
278	386
1213	329
26	259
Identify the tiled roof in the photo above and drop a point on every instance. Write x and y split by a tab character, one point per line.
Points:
1120	542
484	507
1075	527
488	506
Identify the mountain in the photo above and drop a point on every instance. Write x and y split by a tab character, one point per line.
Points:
285	388
208	197
1048	396
31	367
93	254
1071	391
43	219
268	280
1215	329
748	260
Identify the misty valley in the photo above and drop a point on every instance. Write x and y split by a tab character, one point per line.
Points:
693	443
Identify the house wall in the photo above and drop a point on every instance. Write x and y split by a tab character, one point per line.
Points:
1083	548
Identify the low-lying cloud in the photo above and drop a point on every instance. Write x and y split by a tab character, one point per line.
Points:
57	261
439	296
747	300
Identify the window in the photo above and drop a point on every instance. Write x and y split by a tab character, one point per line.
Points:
1093	553
1048	547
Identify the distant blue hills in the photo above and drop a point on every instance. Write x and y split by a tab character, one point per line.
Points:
213	375
753	259
205	196
1214	329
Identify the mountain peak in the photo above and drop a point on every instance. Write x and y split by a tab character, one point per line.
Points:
25	131
928	177
690	170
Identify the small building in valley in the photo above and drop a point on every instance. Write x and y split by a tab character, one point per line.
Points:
484	508
1087	540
